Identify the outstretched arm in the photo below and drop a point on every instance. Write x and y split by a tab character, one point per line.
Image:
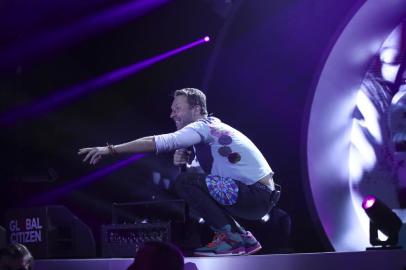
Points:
142	145
160	143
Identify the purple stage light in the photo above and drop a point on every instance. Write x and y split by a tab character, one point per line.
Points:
81	182
71	93
206	39
368	202
67	36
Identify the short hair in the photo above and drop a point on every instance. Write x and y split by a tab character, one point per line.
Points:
158	256
195	97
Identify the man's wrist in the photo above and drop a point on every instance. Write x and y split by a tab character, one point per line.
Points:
111	149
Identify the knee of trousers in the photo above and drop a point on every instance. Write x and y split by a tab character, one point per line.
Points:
182	183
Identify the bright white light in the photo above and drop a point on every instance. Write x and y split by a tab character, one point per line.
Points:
355	165
369	203
389	55
201	221
389	72
367	157
265	218
362	156
370	115
382	236
206	38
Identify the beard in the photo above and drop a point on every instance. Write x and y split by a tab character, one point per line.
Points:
181	123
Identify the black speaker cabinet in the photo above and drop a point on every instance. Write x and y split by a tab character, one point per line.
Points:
124	240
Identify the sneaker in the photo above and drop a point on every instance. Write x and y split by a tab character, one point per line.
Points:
251	244
210	247
225	243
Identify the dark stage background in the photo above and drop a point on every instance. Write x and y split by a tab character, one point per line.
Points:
258	72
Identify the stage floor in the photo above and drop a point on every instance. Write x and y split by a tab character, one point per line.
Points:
382	259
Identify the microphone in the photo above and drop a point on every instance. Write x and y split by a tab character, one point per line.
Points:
190	156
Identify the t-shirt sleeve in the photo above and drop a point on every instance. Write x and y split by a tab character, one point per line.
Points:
189	135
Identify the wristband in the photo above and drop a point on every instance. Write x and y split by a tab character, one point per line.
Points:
111	149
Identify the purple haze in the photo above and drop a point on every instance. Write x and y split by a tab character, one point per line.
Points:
85	28
65	95
81	182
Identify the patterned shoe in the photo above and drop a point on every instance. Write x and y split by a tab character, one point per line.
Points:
225	243
251	244
210	247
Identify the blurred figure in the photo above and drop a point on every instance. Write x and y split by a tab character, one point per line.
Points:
380	120
16	257
158	256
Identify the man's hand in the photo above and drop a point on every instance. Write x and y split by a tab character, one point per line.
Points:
94	154
181	157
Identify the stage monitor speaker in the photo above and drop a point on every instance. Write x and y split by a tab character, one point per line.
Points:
124	240
151	211
3	238
50	232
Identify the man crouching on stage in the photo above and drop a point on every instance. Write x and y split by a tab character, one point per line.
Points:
232	178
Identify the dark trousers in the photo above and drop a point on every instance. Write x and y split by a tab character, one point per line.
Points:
253	201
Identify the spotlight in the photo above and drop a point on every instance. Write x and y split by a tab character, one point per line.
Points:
265	218
381	218
206	39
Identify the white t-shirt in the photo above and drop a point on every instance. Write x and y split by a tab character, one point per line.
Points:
232	153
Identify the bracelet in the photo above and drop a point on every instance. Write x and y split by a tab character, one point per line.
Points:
111	149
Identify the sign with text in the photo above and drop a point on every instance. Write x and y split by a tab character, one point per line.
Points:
50	232
28	227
